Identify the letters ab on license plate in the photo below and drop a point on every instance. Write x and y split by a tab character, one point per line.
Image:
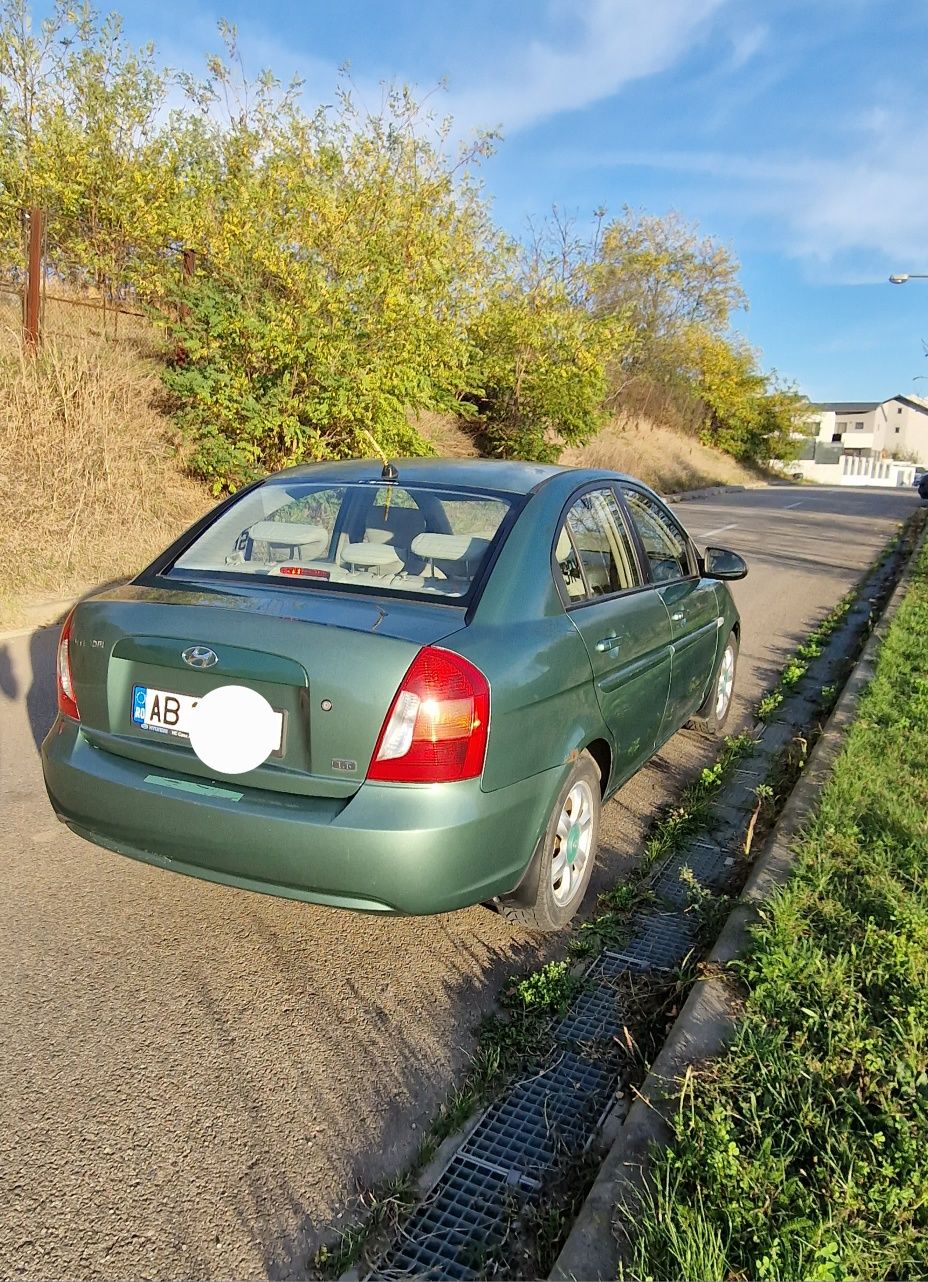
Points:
169	713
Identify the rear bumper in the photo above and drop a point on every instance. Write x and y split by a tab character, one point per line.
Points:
390	848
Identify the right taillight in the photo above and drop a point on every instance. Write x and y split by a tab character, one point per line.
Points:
67	703
436	729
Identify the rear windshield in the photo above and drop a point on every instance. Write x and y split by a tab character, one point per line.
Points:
369	538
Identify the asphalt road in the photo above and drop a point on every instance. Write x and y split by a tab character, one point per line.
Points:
193	1077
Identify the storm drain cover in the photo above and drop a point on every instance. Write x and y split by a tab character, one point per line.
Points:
711	866
545	1117
659	942
597	1015
556	1113
449	1236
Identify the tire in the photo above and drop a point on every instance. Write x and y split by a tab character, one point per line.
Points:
560	871
713	714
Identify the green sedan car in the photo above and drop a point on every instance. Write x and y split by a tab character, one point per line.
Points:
401	689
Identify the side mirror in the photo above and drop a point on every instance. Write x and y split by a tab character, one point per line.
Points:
721	564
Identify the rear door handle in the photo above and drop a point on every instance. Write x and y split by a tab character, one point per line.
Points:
678	616
610	642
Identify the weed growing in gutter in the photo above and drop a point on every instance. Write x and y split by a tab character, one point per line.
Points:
672	829
803	1151
814	643
810	649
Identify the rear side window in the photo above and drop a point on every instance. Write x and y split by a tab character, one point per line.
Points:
665	544
593	552
359	538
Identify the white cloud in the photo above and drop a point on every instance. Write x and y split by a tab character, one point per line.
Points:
615	42
867	199
746	45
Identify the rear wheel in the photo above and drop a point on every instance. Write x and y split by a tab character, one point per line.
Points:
560	871
713	714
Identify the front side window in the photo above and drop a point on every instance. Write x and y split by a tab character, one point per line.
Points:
665	544
593	552
414	540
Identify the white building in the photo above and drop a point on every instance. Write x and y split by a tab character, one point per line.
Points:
893	429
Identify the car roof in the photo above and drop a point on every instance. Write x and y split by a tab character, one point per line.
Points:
490	474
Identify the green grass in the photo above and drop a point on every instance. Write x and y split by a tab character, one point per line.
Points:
803	1151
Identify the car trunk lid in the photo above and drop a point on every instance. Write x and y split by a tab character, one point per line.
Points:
330	667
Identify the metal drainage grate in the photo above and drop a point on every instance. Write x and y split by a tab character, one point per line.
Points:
449	1236
660	942
556	1113
709	864
597	1015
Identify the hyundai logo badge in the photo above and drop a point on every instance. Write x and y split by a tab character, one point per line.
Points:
200	656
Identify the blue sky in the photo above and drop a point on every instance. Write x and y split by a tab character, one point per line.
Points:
793	130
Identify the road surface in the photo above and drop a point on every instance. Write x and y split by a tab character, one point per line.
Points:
194	1077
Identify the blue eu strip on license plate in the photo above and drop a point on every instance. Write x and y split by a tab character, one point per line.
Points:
139	695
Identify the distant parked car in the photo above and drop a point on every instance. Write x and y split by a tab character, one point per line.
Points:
923	486
404	691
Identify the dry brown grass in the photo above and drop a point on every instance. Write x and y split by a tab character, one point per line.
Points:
451	437
90	487
666	460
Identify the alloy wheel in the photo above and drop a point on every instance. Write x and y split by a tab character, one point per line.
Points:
573	841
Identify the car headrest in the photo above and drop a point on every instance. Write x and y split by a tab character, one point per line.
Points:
290	532
369	554
449	547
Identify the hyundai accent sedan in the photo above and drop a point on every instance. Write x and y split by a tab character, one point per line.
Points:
400	689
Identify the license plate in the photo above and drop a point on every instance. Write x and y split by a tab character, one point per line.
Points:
167	712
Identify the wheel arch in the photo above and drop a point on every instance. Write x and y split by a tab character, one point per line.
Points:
601	752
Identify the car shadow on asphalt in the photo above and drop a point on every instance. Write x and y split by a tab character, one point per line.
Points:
290	1233
367	1135
9	686
41	696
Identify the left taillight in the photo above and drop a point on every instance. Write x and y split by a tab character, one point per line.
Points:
67	702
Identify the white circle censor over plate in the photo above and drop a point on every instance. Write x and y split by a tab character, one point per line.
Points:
233	729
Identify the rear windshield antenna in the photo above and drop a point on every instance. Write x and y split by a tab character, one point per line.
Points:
389	472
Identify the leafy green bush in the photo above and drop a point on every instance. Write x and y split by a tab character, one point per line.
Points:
542	362
258	388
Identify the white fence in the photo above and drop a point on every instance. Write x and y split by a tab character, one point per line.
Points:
853	469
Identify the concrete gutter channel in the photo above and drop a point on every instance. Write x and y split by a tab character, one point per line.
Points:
504	1161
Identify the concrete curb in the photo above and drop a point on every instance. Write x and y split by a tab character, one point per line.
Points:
709	1018
50	612
710	491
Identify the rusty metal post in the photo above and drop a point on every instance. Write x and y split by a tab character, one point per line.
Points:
189	261
33	297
